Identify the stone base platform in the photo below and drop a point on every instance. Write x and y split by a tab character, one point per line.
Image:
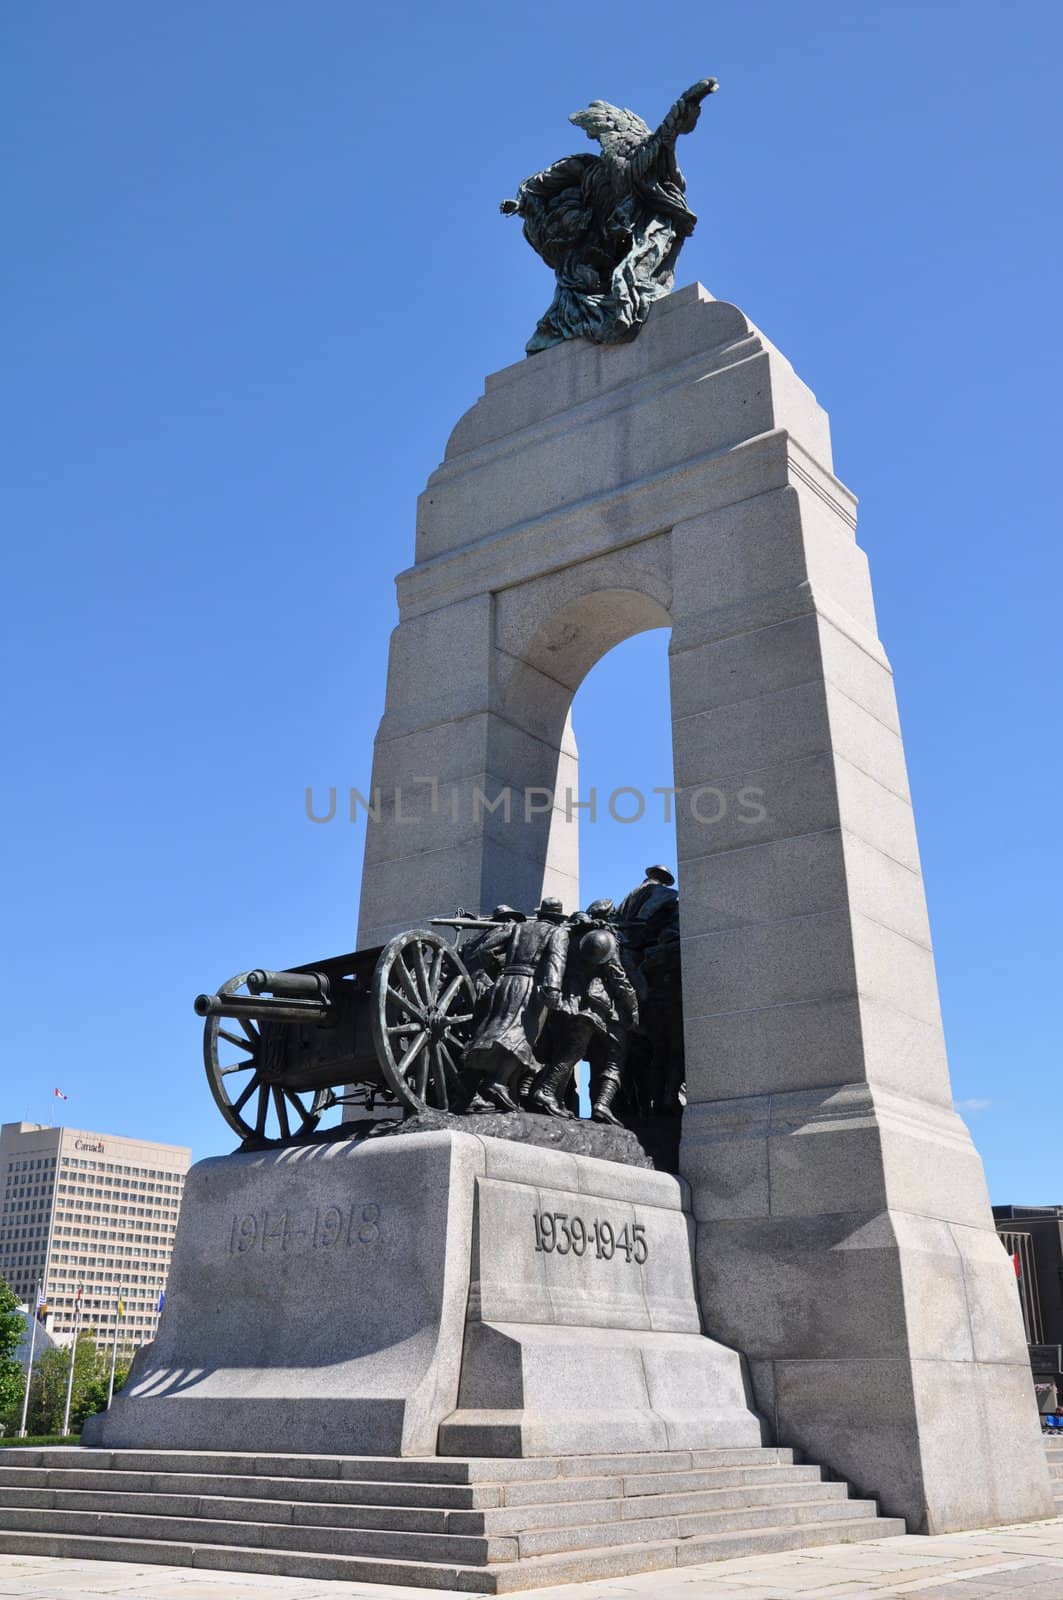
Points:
482	1526
440	1292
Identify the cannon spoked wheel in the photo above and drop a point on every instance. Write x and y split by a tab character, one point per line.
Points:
233	1054
423	1002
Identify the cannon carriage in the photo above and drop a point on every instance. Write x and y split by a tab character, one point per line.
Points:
384	1027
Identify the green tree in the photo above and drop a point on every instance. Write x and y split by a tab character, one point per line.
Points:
92	1373
10	1321
47	1396
12	1379
94	1395
47	1392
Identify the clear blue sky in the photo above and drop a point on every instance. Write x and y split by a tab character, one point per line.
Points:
254	270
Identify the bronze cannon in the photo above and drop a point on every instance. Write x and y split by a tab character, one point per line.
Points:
381	1027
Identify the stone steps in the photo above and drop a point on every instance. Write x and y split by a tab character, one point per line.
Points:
390	1469
444	1496
420	1519
463	1550
488	1526
621	1561
629	1559
678	1477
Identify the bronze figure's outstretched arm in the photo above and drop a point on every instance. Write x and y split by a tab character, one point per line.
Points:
683	117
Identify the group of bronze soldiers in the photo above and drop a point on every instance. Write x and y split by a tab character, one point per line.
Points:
601	985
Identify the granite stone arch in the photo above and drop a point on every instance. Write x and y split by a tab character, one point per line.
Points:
845	1243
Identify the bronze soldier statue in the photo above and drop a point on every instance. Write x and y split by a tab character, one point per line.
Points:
602	985
525	959
649	908
472	949
591	1006
661	1023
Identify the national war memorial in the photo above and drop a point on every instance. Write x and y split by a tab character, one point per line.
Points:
756	1300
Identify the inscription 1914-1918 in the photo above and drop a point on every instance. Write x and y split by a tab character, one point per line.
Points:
563	1234
321	1228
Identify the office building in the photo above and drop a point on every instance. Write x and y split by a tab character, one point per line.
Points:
91	1209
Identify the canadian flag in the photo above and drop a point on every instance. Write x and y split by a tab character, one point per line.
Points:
57	1094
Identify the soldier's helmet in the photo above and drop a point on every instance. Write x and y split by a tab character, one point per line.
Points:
601	909
597	946
506	914
659	874
550	910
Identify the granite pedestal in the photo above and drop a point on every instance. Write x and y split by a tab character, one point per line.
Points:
441	1291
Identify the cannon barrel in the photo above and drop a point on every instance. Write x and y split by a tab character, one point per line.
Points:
290	985
466	922
260	1009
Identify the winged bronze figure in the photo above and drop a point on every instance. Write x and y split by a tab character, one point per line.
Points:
611	226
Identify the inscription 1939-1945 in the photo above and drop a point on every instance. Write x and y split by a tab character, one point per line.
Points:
323	1228
563	1234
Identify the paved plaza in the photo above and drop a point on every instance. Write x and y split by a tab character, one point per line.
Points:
1026	1560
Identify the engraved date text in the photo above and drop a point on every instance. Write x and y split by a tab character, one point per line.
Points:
563	1234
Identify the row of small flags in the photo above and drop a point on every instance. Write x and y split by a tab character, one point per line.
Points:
42	1302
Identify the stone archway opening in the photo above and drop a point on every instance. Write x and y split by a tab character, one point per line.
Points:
584	650
591	682
623	733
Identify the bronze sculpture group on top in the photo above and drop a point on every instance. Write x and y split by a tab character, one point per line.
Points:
495	1018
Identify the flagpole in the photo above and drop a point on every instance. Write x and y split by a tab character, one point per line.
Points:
29	1364
70	1375
114	1347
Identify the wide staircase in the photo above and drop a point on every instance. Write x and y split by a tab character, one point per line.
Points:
484	1526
